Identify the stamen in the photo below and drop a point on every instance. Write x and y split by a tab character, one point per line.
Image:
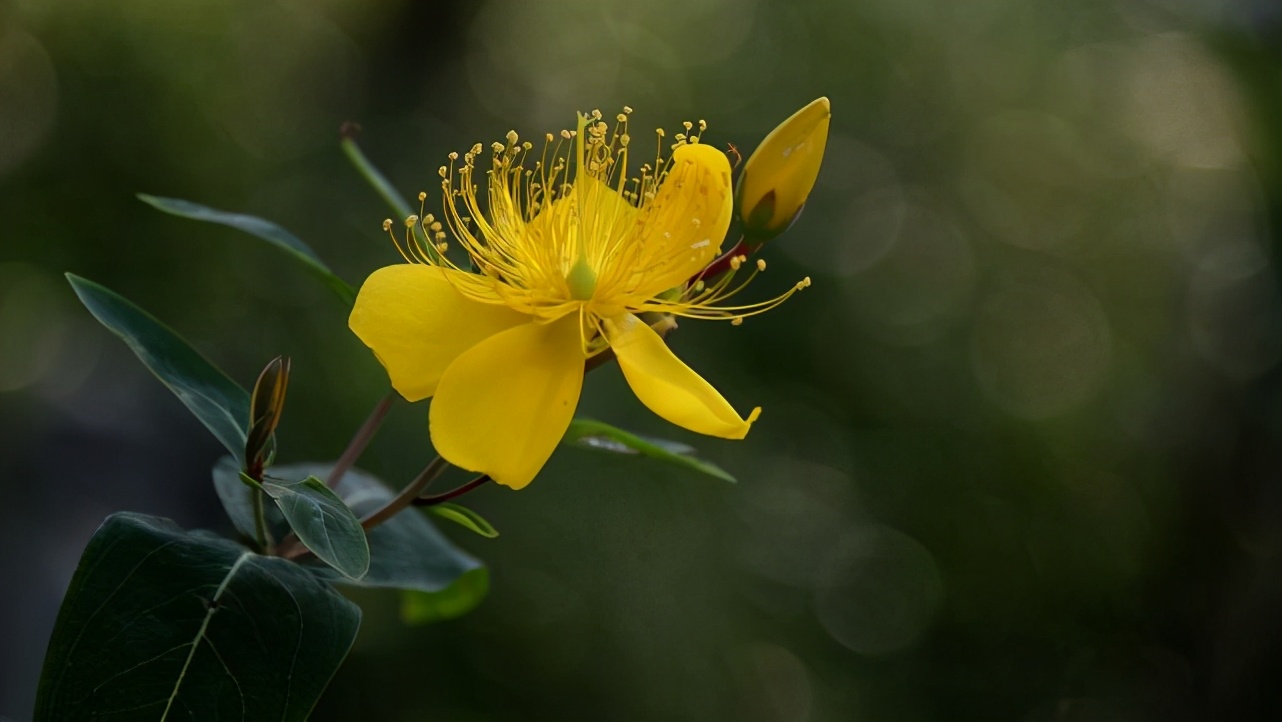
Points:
564	234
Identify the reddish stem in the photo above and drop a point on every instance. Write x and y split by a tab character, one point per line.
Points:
444	496
363	436
725	260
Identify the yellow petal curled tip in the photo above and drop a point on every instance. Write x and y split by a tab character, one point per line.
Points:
416	323
667	386
779	175
504	404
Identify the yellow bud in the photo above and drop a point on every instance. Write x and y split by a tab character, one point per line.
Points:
777	178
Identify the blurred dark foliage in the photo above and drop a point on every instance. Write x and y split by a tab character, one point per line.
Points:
1021	455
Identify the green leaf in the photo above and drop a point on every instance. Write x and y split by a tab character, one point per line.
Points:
323	524
465	517
220	404
165	625
407	551
458	599
592	434
376	179
388	192
263	229
250	482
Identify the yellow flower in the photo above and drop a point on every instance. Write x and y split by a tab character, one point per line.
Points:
778	176
565	255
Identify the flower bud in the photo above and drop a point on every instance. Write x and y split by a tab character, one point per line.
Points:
777	178
265	406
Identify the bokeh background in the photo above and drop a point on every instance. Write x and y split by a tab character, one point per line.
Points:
1021	455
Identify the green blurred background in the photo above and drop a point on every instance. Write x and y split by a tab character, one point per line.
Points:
1021	454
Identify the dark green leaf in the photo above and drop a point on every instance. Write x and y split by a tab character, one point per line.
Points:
221	405
593	434
465	517
406	552
162	624
454	601
263	229
323	524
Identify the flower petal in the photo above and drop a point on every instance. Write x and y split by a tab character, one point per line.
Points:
669	387
416	323
505	403
683	226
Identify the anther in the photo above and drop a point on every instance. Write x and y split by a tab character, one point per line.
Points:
565	134
735	262
512	137
387	224
761	264
736	321
422	196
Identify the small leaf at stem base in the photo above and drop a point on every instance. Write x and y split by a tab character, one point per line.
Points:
465	518
323	523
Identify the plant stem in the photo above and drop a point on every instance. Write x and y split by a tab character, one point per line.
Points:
445	496
357	445
599	360
260	521
291	548
407	496
723	262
